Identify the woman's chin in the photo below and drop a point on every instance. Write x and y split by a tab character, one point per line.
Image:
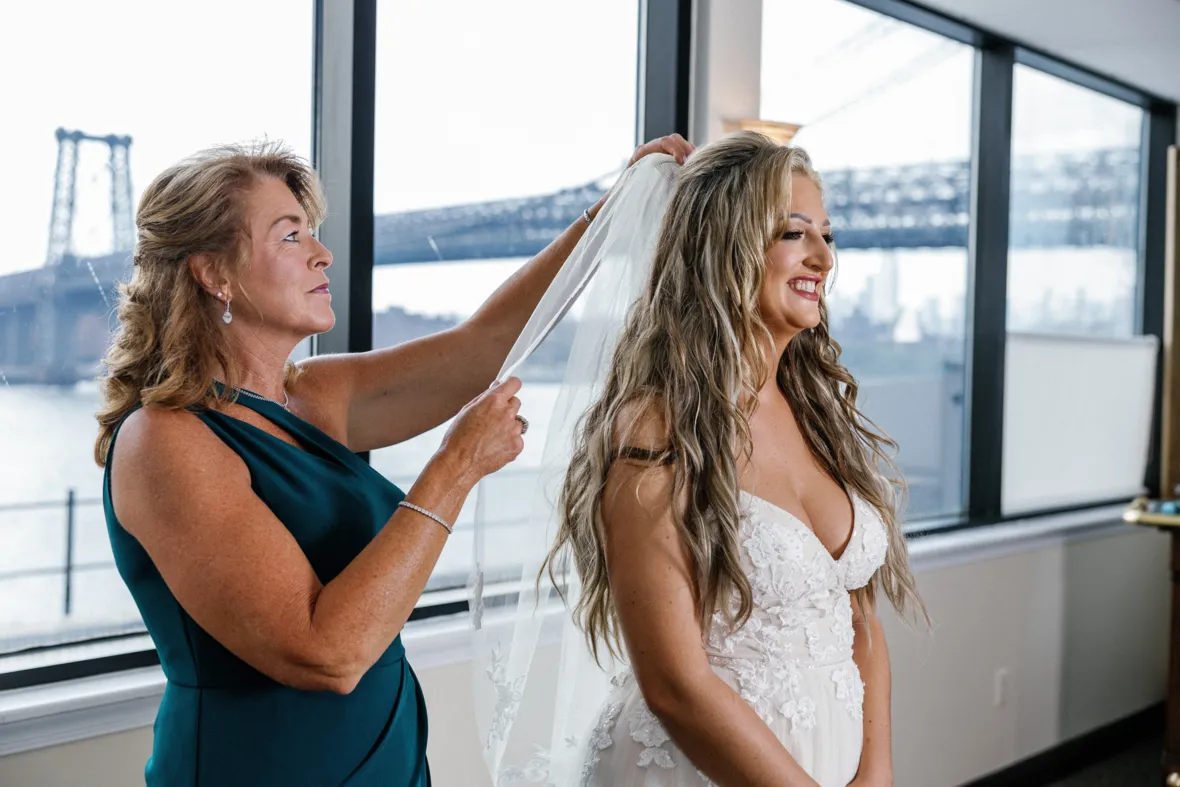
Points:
320	323
800	320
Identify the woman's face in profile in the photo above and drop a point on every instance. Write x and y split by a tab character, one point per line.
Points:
285	283
797	265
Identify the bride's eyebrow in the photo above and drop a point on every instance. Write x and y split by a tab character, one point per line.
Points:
807	219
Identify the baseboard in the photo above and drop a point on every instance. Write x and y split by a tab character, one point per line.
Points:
1078	753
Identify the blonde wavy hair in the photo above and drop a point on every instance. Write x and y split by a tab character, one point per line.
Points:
170	340
690	358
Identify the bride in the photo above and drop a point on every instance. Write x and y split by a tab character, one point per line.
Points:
722	531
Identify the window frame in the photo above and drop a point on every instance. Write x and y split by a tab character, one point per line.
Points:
996	58
664	107
343	148
343	137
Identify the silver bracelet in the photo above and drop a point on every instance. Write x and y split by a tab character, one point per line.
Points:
586	216
425	513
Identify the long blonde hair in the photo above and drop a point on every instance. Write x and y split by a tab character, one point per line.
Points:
690	357
169	341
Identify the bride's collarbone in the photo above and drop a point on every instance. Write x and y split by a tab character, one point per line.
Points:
783	471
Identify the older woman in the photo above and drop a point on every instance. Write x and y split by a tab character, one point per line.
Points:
274	568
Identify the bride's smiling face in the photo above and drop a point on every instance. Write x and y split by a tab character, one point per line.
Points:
797	265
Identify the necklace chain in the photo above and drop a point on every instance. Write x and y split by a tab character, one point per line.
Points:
283	404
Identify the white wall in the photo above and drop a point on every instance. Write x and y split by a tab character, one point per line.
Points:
1137	45
727	65
1080	628
105	761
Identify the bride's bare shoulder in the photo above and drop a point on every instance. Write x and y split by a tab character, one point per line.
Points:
640	434
640	483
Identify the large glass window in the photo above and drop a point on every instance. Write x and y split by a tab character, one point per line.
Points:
885	111
1074	234
494	130
130	102
1073	299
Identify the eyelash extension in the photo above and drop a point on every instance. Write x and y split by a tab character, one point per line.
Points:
797	234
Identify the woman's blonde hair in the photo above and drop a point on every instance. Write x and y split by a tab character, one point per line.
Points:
690	358
170	341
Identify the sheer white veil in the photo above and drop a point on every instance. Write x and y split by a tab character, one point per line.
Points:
533	715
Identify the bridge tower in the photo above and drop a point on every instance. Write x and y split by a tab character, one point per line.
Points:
61	222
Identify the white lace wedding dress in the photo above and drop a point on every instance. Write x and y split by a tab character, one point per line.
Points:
792	661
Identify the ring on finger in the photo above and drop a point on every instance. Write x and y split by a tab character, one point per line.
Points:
524	423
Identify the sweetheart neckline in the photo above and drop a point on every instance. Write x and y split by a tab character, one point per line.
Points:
837	560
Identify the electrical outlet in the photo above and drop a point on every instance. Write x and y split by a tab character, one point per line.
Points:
1000	687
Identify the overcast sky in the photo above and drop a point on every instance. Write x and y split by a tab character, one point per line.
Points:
475	101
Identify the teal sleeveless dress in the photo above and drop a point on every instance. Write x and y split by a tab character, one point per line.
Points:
222	723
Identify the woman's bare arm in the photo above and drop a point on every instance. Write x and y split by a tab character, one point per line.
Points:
871	655
237	570
392	394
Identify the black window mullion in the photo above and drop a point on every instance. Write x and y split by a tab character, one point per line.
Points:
664	72
74	670
1159	132
926	19
991	164
343	143
345	84
1082	77
364	97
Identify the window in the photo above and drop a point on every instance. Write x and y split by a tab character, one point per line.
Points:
494	130
97	76
885	111
1073	305
1073	263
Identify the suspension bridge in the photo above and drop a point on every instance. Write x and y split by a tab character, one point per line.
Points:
56	317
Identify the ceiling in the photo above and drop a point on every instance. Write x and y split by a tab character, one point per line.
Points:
1134	41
